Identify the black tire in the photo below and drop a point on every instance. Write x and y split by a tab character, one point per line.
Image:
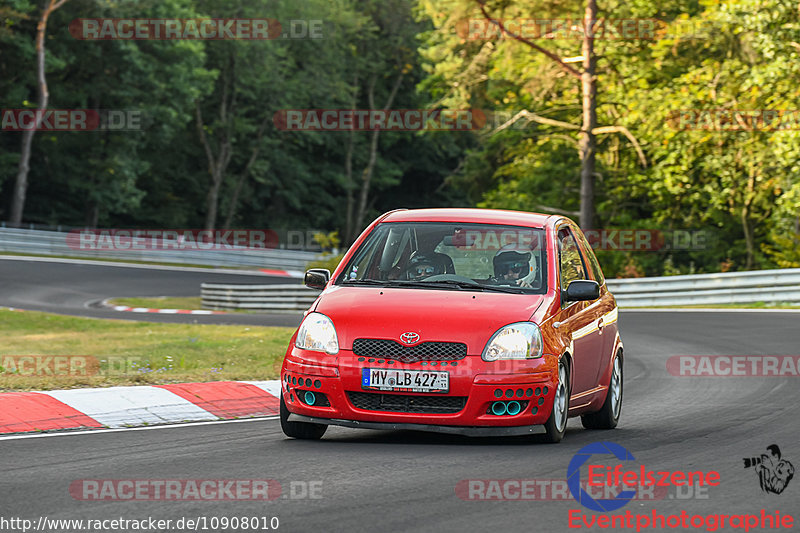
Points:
300	430
608	415
556	424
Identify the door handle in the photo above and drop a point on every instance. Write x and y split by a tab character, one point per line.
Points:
600	324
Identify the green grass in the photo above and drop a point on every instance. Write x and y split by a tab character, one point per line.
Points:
135	353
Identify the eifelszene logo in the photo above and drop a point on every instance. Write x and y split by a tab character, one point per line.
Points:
618	476
774	473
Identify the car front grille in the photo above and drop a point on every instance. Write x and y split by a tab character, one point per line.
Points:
404	403
426	351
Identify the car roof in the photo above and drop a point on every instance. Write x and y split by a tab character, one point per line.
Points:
487	216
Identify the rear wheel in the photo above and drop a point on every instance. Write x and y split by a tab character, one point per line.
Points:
608	415
300	430
556	425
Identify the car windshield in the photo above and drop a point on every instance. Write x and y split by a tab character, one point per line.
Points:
451	256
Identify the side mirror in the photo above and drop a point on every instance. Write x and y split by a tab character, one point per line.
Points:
317	278
580	290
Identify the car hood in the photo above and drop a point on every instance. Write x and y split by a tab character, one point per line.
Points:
436	315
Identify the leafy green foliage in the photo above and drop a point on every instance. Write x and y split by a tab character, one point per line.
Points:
742	188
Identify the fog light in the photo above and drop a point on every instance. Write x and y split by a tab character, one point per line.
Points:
499	408
310	398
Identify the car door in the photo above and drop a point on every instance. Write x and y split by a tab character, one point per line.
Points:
579	318
605	307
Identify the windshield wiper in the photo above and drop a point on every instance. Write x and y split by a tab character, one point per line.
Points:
444	283
398	283
475	286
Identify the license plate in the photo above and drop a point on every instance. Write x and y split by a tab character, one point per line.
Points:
404	380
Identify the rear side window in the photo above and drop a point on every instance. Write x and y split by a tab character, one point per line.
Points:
569	258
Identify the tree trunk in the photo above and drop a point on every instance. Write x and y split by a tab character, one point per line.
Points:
366	177
21	186
747	225
373	153
217	165
748	237
92	215
245	173
348	174
237	190
211	202
349	236
588	144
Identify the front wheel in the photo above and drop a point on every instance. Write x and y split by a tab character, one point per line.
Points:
608	415
300	430
556	425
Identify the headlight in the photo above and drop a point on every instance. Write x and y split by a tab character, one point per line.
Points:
318	334
522	340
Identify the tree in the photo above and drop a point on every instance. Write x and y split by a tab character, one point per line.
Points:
21	187
481	59
711	171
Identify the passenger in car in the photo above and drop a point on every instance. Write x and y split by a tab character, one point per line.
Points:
510	267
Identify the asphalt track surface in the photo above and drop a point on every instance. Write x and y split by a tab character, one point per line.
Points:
77	288
405	481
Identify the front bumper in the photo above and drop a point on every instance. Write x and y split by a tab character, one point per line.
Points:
339	399
452	430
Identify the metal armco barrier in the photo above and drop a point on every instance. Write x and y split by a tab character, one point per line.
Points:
772	286
38	242
269	298
700	289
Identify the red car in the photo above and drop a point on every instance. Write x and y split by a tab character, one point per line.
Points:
467	321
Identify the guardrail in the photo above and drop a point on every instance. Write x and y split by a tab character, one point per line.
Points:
705	289
772	286
55	243
270	298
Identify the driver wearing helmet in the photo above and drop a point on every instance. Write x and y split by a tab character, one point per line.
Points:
422	266
511	267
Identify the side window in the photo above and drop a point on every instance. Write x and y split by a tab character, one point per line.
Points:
588	253
569	258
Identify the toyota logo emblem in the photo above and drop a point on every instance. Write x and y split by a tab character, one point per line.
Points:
409	337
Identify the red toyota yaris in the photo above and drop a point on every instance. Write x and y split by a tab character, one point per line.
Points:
468	321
